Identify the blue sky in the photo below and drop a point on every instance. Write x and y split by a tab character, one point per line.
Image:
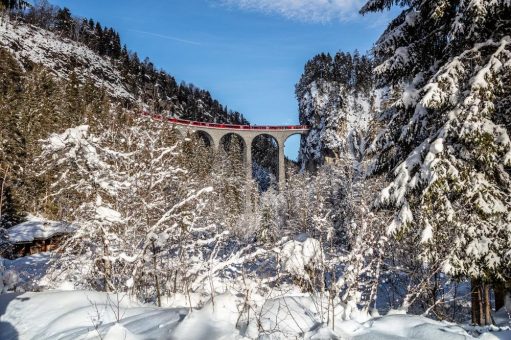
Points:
248	53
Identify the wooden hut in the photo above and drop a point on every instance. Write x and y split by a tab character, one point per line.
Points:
36	236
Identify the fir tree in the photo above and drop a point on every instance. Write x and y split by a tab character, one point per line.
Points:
14	4
444	142
64	23
73	106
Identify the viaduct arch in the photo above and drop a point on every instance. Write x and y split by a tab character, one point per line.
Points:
215	132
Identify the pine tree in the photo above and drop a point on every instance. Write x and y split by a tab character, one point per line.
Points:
444	142
266	154
42	14
228	176
64	23
14	4
73	106
100	46
268	226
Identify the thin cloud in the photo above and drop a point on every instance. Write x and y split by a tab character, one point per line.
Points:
168	37
303	10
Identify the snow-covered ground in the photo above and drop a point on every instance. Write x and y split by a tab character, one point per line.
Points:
229	313
78	314
94	315
24	273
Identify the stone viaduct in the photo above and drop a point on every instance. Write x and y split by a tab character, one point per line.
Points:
215	132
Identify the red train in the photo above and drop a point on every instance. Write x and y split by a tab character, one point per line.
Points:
225	126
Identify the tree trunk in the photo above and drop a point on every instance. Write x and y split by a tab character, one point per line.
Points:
481	303
499	290
477	304
107	265
155	273
2	191
487	304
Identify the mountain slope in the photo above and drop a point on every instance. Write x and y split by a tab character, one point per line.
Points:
61	57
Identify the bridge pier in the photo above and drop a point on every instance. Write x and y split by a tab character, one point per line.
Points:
248	156
282	163
215	142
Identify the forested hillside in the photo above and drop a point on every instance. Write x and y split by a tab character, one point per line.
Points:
88	48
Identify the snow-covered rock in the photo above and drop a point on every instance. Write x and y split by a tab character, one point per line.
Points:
30	271
117	331
402	327
216	320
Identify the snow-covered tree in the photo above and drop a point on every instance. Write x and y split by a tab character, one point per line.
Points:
270	219
132	202
446	141
229	178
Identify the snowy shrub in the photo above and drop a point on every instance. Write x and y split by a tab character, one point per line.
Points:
10	280
301	256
